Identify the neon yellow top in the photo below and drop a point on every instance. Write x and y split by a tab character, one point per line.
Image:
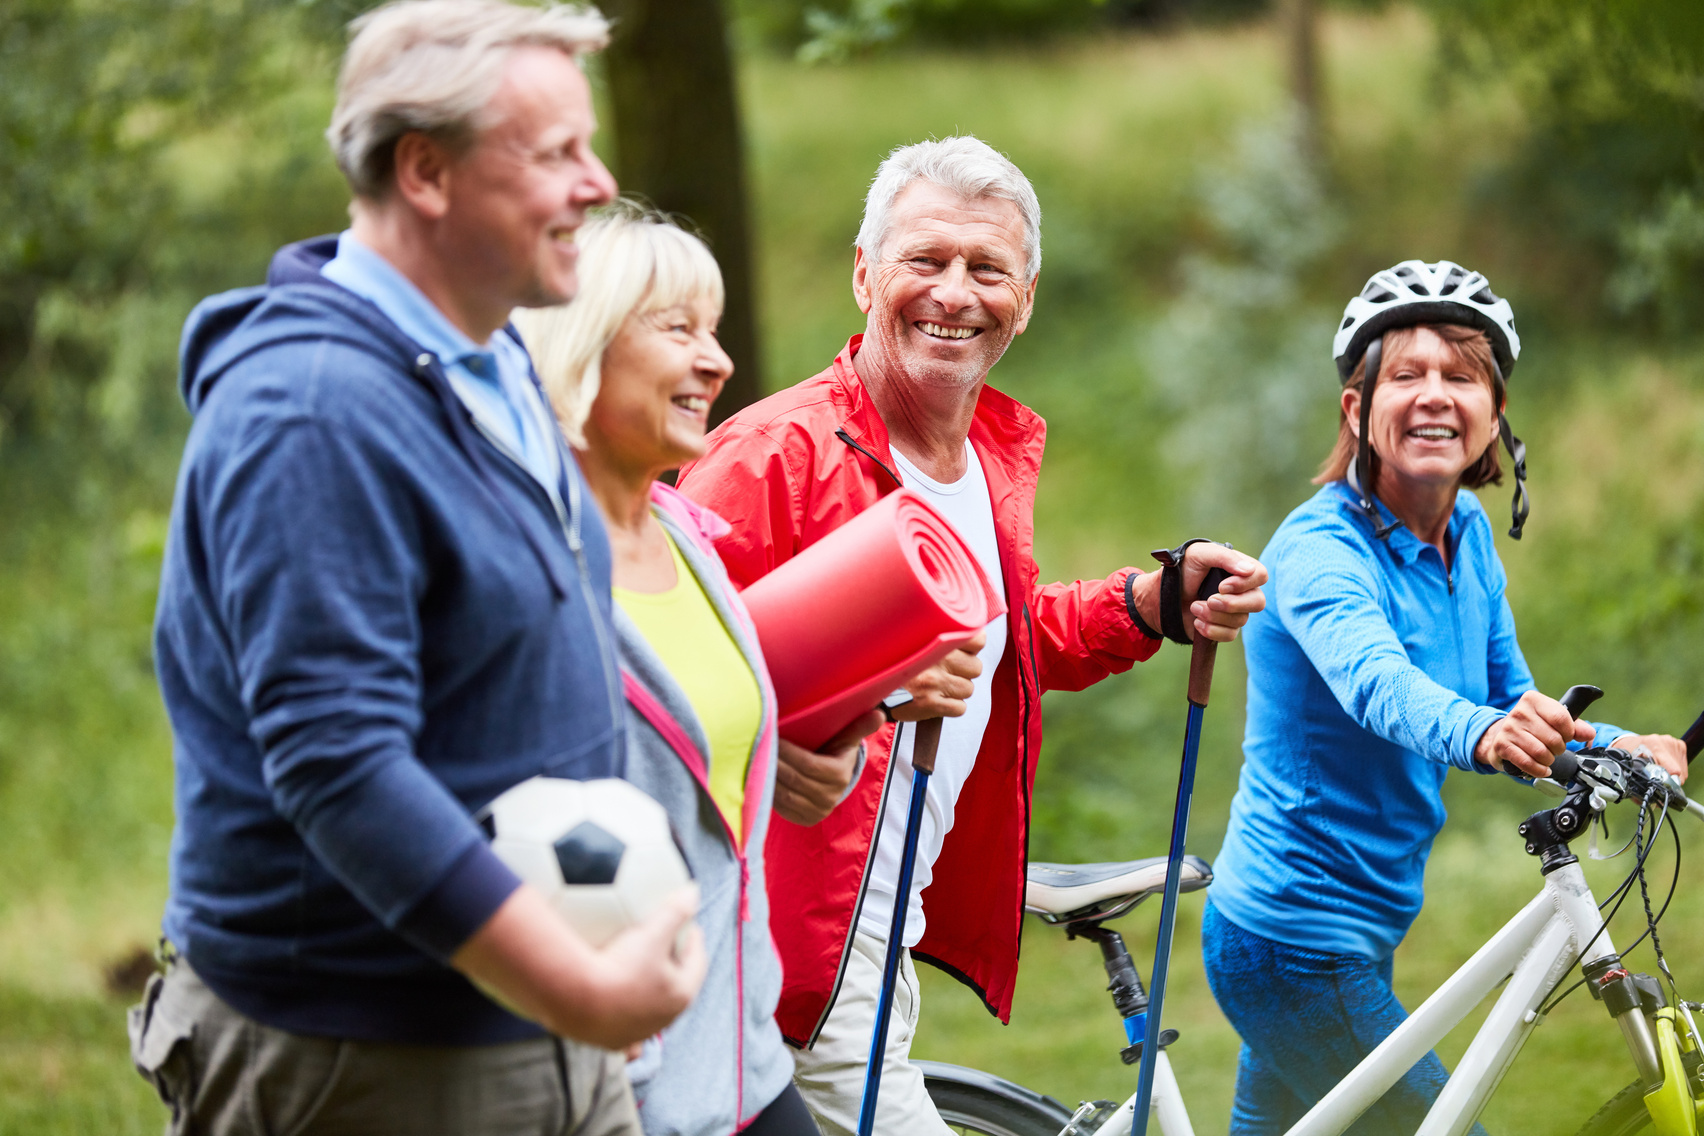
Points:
683	628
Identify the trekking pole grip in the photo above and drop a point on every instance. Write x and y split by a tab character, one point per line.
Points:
1204	650
924	745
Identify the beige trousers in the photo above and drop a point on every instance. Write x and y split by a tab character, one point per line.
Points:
223	1074
830	1075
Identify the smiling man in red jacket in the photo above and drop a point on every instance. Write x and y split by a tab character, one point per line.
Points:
945	271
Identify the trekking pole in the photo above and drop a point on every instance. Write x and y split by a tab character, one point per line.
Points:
1200	683
926	739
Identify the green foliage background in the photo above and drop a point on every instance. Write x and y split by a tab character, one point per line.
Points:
1195	260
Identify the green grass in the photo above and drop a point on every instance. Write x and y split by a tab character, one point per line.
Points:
64	1069
1118	134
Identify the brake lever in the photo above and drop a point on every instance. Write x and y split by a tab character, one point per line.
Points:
1661	779
1569	766
1594	768
1635	775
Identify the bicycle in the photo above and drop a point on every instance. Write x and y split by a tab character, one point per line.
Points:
1535	951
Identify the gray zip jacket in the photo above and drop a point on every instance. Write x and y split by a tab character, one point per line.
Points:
722	1061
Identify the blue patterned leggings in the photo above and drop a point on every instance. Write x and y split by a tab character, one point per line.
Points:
1306	1019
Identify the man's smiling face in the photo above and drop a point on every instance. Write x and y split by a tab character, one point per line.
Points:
951	288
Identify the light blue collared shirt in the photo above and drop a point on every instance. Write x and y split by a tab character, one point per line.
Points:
494	382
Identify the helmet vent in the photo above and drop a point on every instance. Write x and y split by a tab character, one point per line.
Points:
1347	320
1377	294
1418	288
1452	281
1484	296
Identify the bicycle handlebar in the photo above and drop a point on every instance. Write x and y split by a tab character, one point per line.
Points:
1614	774
1694	739
1576	699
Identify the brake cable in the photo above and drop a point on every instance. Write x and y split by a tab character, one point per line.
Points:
1645	897
1642	852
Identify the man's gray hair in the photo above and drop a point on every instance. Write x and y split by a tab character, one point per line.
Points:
433	66
969	167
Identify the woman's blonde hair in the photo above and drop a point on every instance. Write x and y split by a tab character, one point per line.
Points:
633	260
1471	351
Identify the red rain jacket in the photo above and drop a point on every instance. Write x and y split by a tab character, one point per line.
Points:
787	471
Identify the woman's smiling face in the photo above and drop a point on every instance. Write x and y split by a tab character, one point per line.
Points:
1434	411
660	376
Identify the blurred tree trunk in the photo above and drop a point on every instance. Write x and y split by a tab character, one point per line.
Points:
1299	24
678	144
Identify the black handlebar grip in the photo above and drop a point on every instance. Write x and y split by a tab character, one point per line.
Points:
1577	698
1694	739
1210	583
1564	767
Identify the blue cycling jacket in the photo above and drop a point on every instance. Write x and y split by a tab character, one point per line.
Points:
1374	669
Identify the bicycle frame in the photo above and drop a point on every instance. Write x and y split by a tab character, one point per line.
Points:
1534	951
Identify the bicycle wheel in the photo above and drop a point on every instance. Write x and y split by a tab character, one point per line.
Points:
971	1101
1624	1114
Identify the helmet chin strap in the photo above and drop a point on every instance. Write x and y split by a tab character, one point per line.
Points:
1521	506
1364	451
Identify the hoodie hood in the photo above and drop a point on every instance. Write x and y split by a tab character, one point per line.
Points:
293	303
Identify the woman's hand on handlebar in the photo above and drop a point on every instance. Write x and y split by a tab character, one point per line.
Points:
1536	730
1670	753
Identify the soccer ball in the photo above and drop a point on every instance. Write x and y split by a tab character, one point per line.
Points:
601	851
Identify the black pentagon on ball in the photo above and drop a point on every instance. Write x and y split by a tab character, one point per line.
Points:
588	854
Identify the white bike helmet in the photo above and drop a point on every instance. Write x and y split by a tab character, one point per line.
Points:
1411	293
1416	292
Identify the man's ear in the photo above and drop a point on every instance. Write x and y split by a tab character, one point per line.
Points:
861	281
1029	304
423	172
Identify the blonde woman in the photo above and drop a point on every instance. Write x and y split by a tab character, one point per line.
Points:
632	368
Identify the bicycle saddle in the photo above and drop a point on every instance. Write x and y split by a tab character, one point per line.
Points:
1075	893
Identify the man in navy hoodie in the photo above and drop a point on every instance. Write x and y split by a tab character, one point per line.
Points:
385	600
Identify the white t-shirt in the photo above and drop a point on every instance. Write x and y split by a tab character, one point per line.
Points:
966	504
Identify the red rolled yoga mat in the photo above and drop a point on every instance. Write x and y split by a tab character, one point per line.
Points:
845	622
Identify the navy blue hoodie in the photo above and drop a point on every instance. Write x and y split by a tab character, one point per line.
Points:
371	622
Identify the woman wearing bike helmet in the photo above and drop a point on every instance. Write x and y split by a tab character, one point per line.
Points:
1387	656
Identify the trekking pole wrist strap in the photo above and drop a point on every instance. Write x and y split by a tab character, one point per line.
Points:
1172	622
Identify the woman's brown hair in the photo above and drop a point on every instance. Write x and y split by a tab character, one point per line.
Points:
1472	352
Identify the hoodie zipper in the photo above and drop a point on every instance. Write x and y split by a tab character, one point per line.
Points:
675	737
568	520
